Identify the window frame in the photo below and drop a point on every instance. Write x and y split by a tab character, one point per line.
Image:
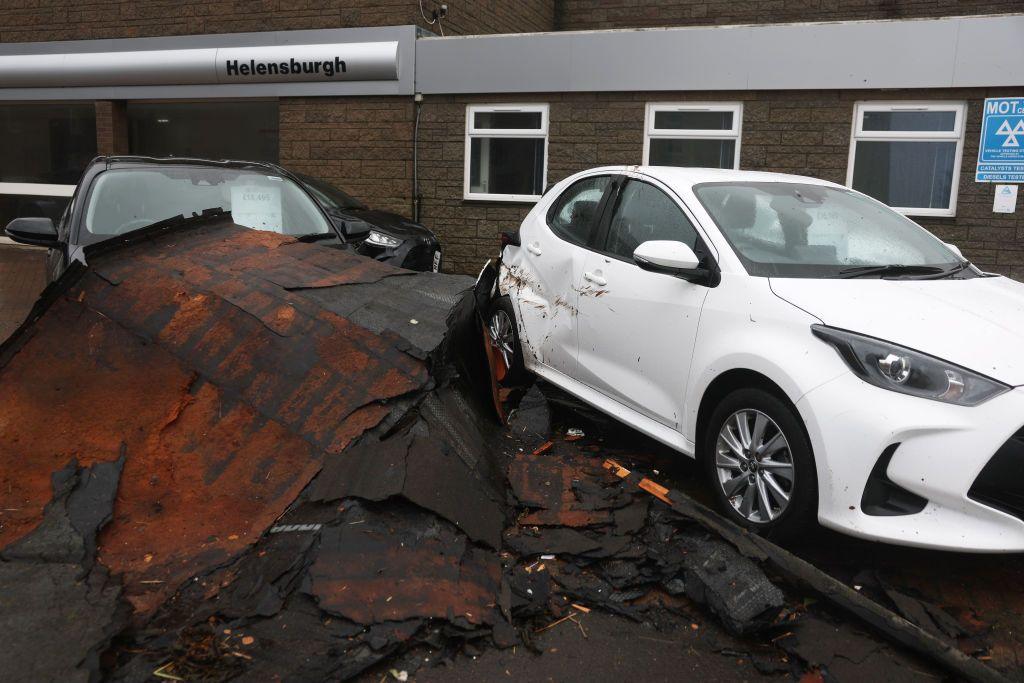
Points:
472	132
704	250
858	134
734	133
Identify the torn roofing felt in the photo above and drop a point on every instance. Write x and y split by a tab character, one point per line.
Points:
54	600
199	354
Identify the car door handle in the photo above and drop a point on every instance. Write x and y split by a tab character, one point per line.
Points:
595	278
533	249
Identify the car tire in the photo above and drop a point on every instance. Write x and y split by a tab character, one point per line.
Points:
504	333
778	494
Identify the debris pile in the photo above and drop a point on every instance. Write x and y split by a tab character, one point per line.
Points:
232	454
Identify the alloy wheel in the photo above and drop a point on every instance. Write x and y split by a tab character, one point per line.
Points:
502	336
755	466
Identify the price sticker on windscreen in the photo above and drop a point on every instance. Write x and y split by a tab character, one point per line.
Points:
257	206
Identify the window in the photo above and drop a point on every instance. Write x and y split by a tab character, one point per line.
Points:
45	149
907	155
702	135
783	229
506	152
646	213
130	199
573	216
241	129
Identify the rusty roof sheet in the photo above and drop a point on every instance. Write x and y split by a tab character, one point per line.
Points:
197	355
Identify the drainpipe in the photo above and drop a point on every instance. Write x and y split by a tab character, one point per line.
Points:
417	200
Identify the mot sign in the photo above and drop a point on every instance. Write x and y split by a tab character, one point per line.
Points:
1001	152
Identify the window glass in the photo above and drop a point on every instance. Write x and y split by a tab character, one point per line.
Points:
906	174
506	150
513	166
693	135
331	197
695	152
646	213
910	120
797	230
241	130
130	199
573	216
906	155
30	206
46	143
529	120
694	120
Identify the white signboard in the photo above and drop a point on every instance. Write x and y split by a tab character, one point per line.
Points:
257	206
1006	199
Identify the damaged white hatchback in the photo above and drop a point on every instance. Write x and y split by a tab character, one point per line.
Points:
823	356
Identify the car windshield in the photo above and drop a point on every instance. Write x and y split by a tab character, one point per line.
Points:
802	230
129	199
330	196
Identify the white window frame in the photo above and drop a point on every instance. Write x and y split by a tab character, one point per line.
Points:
473	132
734	133
860	135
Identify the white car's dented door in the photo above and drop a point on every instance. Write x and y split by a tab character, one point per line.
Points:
542	275
637	328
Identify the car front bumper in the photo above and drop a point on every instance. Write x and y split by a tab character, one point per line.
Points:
942	449
413	253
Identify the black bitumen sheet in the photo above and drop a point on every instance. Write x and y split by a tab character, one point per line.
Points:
58	610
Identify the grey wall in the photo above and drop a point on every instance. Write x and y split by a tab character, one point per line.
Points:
924	53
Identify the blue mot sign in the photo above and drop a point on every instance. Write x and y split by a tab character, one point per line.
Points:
1001	152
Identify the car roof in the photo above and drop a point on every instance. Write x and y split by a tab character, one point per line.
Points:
127	160
679	176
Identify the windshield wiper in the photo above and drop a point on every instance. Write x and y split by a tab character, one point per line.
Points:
891	269
315	236
962	266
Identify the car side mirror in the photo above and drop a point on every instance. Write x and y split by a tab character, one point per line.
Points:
38	232
352	230
672	258
955	249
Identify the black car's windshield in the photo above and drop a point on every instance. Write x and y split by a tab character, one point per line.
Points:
797	230
122	200
330	196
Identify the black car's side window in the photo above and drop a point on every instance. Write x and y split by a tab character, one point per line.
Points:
573	216
646	213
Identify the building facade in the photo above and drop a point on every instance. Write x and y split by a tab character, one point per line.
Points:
467	129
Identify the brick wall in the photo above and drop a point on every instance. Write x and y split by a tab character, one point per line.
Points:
468	17
361	144
111	127
574	15
806	133
42	20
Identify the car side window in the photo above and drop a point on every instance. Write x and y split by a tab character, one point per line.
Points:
646	213
573	216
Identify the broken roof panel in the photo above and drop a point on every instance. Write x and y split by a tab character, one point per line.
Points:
197	355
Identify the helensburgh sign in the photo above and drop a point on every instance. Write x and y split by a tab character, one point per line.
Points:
331	62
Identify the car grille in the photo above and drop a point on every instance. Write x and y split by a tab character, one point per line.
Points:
1001	482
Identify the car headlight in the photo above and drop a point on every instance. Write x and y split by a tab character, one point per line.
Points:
906	371
379	239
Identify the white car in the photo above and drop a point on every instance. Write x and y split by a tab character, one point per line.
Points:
822	355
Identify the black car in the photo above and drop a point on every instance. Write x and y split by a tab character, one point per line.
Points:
391	237
119	194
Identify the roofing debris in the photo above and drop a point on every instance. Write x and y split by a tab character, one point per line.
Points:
231	454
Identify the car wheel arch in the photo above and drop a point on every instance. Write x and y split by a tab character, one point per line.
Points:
728	382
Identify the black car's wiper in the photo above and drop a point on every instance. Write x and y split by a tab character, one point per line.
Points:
316	236
892	269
